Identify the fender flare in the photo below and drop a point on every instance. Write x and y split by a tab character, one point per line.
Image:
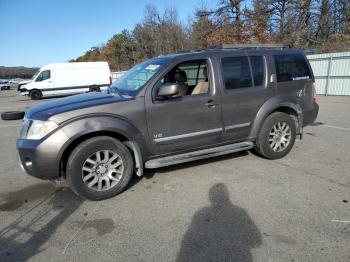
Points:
274	104
91	125
135	149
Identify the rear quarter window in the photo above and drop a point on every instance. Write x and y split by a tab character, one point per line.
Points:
291	67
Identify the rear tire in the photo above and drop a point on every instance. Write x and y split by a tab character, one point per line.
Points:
35	94
99	168
277	136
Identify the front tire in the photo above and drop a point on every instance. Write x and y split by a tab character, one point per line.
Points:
277	136
95	89
35	94
99	168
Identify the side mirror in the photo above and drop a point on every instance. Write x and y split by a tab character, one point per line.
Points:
166	90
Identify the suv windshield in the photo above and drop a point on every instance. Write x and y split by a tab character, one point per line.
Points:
137	77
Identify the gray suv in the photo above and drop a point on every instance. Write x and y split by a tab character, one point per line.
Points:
169	110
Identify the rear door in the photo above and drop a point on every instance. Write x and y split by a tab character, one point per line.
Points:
245	85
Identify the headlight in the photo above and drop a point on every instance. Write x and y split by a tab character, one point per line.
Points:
36	129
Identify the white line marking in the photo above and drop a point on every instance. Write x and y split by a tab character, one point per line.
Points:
340	221
337	127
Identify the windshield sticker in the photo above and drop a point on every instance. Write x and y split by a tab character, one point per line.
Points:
152	67
301	78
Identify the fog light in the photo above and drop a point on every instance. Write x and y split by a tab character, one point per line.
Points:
28	163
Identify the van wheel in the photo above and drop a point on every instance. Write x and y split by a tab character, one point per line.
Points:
277	136
35	94
95	89
99	168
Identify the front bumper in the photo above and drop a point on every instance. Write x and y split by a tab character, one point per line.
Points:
309	116
23	91
41	158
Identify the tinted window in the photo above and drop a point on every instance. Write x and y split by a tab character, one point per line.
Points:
291	67
43	76
236	72
258	69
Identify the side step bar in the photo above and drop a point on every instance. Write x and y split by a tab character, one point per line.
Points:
200	154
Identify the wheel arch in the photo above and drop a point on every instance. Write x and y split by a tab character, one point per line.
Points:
277	105
132	146
34	90
124	132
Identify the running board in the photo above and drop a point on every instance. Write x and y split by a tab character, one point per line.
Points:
200	154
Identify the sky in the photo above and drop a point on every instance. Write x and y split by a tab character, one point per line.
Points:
34	33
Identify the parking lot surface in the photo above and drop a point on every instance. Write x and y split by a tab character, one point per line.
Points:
238	207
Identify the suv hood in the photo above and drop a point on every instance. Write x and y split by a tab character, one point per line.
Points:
46	110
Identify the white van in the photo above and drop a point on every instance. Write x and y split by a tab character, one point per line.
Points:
68	78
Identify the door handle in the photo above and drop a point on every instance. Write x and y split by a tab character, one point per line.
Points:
211	104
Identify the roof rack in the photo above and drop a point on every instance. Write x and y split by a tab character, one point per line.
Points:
250	46
188	51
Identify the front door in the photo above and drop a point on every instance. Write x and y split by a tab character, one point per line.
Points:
190	120
43	82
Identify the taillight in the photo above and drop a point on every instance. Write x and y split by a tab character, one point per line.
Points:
314	92
110	80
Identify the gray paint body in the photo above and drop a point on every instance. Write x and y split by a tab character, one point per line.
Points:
172	127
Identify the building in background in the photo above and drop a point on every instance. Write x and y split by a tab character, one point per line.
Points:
332	73
117	75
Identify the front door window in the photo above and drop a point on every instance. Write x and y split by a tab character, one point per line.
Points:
44	75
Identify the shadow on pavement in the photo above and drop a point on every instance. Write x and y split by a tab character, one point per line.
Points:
150	173
26	236
220	232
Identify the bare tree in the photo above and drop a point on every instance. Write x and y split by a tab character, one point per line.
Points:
321	24
324	21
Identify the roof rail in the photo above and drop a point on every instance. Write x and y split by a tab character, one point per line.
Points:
250	46
188	51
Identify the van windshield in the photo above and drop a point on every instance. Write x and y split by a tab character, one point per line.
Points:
137	77
35	75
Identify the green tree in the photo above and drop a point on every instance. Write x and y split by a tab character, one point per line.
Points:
119	51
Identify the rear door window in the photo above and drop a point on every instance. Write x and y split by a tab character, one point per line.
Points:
236	72
291	67
258	70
